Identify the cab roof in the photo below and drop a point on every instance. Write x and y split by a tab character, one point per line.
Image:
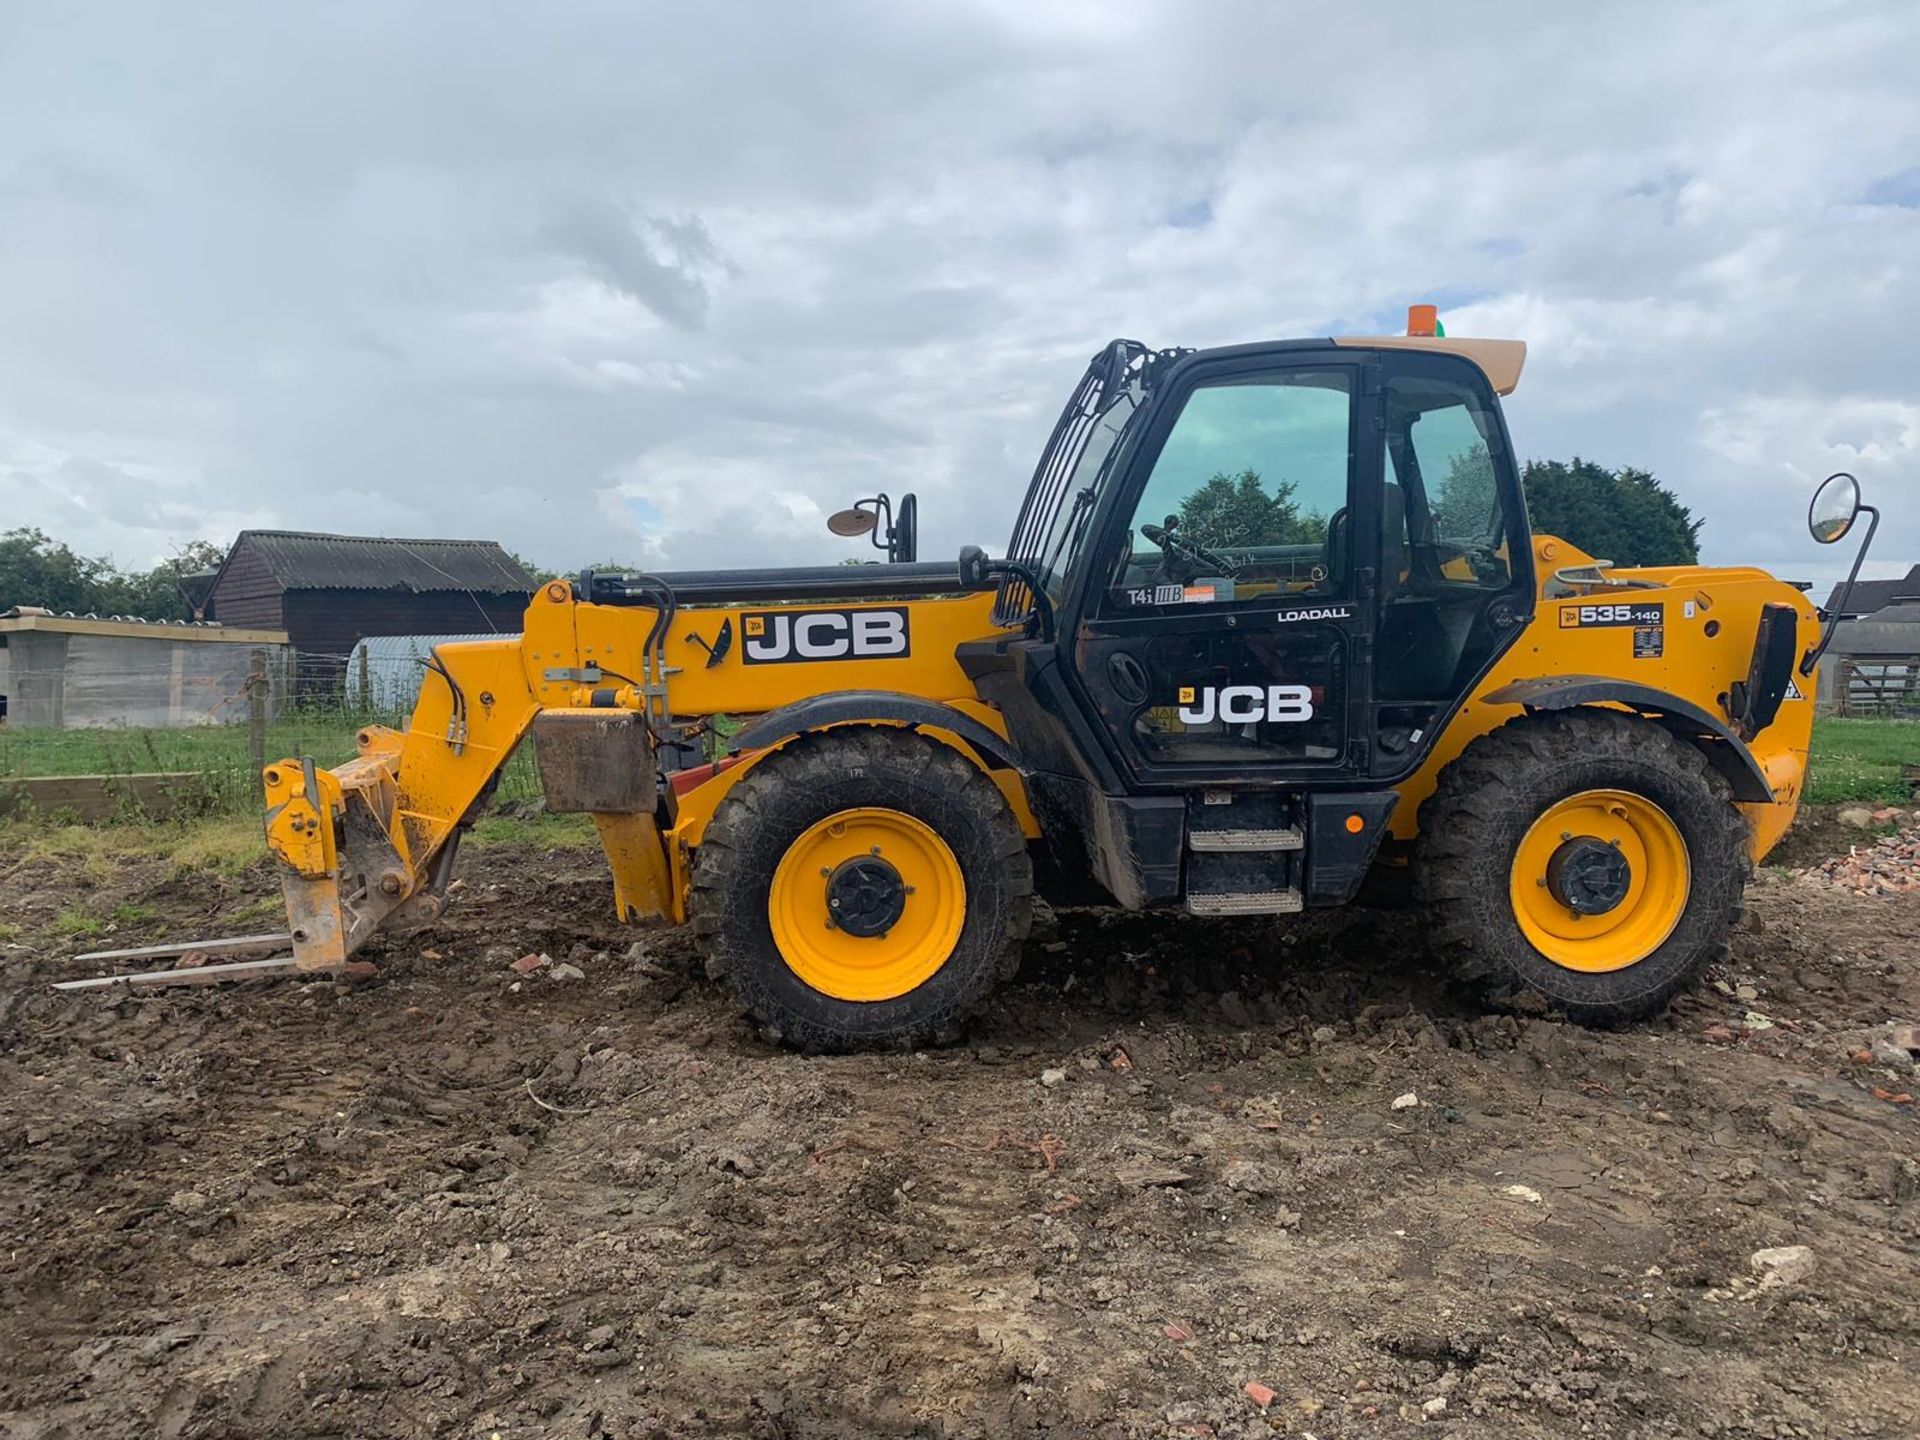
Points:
1500	360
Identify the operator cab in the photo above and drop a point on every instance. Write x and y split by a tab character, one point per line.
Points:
1242	572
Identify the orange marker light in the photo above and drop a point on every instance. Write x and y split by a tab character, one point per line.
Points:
1355	824
1423	319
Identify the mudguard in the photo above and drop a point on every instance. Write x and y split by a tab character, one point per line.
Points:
844	707
1714	737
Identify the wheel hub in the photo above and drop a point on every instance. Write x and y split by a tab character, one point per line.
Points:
866	896
1588	876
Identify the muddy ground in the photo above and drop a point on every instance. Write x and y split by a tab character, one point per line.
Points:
453	1202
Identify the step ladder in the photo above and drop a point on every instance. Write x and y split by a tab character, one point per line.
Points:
1246	852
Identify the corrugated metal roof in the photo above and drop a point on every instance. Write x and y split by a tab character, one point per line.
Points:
300	560
1871	595
26	618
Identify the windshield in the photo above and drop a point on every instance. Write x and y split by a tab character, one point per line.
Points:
1069	527
1072	471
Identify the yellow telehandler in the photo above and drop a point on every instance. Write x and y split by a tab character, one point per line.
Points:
1270	619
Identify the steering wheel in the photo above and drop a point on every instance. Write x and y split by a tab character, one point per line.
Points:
1197	557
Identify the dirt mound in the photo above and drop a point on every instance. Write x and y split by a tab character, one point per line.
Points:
1172	1186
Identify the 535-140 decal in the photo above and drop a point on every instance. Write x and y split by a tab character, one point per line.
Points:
1623	614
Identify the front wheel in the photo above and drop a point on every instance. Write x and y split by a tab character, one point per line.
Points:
862	888
1590	857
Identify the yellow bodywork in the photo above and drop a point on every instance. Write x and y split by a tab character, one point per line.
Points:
401	803
1712	615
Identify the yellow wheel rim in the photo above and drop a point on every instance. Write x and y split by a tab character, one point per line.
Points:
1656	894
927	890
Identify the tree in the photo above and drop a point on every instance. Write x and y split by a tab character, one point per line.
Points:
1467	502
36	569
1233	512
540	573
1624	515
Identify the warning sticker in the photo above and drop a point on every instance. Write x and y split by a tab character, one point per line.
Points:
1793	690
1638	617
1649	643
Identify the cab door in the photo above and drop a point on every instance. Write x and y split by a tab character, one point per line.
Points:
1228	619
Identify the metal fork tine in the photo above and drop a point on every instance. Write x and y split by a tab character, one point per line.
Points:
193	975
235	945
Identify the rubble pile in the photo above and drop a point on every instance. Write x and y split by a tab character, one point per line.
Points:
1889	865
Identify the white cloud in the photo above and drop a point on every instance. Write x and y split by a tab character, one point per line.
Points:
594	275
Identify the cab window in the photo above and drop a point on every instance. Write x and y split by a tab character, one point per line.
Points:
1247	498
1445	519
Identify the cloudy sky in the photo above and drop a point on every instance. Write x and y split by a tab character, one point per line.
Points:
670	282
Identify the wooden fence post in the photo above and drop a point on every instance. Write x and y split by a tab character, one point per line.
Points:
257	717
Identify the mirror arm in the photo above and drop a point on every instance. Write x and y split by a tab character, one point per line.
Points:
976	570
1812	657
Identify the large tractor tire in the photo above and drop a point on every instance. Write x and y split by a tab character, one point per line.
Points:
862	888
1589	857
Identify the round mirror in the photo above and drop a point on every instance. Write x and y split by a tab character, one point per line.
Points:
1835	504
852	522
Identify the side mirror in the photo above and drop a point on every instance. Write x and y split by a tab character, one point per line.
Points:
849	523
1831	515
973	568
1835	506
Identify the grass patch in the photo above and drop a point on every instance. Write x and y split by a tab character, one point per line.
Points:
110	751
1860	761
76	925
220	753
535	832
229	844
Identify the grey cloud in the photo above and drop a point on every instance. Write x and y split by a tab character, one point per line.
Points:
673	282
662	262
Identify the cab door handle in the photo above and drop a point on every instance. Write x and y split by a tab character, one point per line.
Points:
1128	679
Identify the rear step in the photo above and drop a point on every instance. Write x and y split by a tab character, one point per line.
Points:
1244	853
1236	840
1247	902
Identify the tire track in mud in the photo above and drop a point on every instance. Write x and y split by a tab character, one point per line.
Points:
394	1235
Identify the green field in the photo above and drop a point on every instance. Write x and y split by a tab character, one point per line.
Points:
219	752
1861	760
328	738
1853	760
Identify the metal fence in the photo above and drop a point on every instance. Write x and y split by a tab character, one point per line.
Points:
311	707
1883	685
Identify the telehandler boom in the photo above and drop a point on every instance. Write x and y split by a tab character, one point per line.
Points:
1271	619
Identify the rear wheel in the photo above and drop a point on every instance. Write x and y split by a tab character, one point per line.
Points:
862	888
1589	857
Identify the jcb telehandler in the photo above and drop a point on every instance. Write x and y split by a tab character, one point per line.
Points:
1271	618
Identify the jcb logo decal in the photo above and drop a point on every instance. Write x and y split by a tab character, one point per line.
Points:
778	637
1245	704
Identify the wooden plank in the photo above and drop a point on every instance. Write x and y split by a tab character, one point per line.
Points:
94	799
137	630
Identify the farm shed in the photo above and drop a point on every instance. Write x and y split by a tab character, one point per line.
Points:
330	591
1873	666
69	672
